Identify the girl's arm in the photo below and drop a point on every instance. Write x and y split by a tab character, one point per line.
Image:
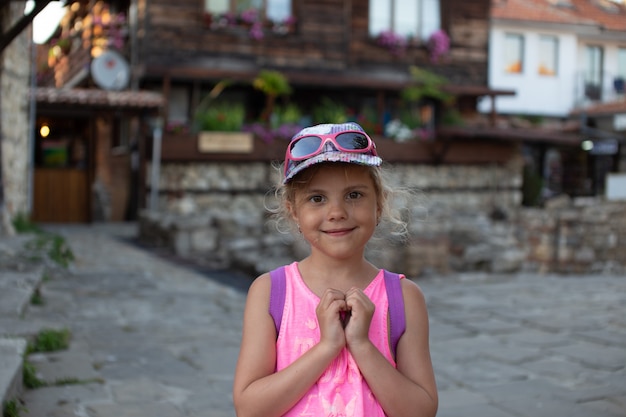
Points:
409	390
260	391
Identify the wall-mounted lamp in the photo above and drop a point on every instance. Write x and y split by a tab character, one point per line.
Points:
587	145
44	131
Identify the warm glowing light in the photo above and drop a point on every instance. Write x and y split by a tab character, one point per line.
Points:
44	131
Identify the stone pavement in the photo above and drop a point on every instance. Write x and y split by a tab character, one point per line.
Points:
153	337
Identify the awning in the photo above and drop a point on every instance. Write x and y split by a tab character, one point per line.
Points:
96	98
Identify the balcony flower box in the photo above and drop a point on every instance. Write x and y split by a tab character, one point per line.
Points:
225	142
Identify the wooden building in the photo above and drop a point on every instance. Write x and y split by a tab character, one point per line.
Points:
357	53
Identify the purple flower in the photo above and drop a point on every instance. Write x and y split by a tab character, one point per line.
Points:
256	31
438	45
395	43
291	20
250	16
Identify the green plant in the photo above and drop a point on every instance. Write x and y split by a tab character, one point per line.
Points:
329	111
273	84
532	185
30	378
426	84
287	114
452	117
222	116
36	299
22	224
55	247
12	408
49	340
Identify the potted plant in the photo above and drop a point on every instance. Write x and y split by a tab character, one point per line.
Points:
421	99
219	124
273	84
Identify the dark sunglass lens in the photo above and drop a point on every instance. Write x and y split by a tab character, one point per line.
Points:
352	141
305	146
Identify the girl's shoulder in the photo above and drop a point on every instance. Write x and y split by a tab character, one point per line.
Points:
411	289
260	286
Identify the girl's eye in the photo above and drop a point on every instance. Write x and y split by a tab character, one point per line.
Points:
354	195
316	199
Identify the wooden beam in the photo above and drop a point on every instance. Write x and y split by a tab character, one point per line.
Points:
21	24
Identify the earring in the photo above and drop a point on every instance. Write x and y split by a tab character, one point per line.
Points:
298	225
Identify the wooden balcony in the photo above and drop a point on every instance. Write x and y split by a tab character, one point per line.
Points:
452	150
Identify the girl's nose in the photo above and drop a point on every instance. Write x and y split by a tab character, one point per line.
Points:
337	210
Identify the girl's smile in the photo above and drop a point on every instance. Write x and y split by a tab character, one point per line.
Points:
337	212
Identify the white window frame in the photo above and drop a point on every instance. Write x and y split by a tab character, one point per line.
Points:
548	56
621	62
513	53
409	18
274	10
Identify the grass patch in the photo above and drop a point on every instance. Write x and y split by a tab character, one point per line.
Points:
49	340
12	408
32	381
53	245
30	378
22	224
36	299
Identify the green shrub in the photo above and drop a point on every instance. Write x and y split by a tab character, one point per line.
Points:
30	378
12	408
329	111
22	224
222	117
49	340
54	246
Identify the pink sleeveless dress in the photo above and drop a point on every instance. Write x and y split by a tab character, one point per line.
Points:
341	391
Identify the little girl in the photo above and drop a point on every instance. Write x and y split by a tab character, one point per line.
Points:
331	354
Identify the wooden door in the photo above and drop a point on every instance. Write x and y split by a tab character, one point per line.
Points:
60	196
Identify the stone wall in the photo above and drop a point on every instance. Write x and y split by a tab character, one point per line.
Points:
14	114
464	218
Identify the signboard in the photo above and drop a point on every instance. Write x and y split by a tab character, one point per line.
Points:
616	186
619	122
225	142
604	147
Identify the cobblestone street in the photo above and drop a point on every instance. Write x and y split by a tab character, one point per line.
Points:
152	337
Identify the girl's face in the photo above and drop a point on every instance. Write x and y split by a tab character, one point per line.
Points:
337	211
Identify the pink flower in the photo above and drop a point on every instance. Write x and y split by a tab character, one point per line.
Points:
438	45
395	43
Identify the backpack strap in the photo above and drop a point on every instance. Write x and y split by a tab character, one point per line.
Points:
277	295
397	319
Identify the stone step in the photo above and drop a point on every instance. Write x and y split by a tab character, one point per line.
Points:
11	361
18	282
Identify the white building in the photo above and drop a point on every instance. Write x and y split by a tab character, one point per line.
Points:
557	55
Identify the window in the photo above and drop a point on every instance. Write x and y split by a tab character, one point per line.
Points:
593	72
618	82
414	18
513	53
621	62
548	55
274	10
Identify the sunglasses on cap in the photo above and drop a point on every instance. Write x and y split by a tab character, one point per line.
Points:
308	146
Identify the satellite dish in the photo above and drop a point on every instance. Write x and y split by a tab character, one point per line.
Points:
110	71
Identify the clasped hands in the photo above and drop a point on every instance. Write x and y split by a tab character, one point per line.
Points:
344	318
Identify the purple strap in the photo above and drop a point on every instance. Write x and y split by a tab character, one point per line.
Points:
397	321
277	295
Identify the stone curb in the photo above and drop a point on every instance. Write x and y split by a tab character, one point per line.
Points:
11	362
19	279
